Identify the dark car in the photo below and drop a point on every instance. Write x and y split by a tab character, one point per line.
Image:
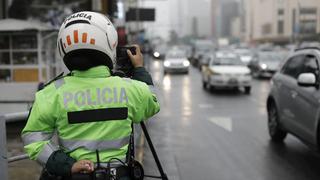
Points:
159	52
266	63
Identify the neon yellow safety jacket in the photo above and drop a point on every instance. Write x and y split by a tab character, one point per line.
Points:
89	110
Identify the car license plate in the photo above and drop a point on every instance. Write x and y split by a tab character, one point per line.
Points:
176	64
233	81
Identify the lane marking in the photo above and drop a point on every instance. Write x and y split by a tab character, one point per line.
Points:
224	122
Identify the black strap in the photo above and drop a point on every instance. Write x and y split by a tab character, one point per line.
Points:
60	76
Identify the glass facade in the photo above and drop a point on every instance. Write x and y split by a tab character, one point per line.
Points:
24	41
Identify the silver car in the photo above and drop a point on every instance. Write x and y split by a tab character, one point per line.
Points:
293	103
176	61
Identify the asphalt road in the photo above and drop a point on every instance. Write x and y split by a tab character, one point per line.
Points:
220	135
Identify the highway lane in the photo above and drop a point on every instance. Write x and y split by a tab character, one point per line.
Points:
220	135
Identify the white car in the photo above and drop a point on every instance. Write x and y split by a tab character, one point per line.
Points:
226	70
176	61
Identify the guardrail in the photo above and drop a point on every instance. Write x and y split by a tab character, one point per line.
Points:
4	160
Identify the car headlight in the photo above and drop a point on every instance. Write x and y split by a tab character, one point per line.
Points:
166	63
156	54
186	63
263	66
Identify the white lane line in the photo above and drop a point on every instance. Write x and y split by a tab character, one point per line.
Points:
224	122
205	106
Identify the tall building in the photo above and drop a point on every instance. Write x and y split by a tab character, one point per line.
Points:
215	18
281	21
179	16
229	11
224	18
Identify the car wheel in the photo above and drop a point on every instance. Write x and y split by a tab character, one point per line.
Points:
275	131
247	89
211	88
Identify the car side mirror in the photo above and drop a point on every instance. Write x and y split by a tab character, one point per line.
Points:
307	79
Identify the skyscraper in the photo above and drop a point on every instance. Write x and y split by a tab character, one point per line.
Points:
215	18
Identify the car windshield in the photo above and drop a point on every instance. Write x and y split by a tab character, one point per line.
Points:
176	55
270	57
222	61
243	52
204	46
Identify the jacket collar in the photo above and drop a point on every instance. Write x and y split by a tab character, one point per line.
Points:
94	72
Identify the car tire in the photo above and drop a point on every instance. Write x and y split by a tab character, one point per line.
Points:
247	89
211	88
276	133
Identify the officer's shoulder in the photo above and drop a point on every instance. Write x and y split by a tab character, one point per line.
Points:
56	82
133	82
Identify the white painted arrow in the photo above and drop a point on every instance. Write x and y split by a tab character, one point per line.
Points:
224	122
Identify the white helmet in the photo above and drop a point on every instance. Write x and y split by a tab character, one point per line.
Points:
89	33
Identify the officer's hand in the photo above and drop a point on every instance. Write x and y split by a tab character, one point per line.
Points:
82	166
137	59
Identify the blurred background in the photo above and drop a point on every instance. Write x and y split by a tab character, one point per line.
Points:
217	66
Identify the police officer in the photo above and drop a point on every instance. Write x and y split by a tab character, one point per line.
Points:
89	109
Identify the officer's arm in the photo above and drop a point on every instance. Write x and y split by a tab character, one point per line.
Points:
147	104
141	74
37	136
